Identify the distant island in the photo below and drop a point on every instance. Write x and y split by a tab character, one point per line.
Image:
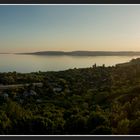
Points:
85	53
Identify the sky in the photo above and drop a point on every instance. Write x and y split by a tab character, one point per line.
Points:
31	28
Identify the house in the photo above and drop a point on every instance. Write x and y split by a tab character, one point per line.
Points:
29	93
32	93
57	89
104	79
39	100
5	96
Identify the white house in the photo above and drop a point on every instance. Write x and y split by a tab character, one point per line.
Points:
29	93
57	89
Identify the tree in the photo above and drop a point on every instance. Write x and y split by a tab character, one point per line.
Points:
97	119
123	127
76	124
102	130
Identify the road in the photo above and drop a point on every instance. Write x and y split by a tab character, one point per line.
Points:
19	85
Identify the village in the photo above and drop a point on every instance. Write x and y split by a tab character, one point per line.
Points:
28	91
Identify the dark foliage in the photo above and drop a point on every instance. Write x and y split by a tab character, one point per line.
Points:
97	100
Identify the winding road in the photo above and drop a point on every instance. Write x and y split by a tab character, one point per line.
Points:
19	85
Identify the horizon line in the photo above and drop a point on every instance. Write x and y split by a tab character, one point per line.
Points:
66	51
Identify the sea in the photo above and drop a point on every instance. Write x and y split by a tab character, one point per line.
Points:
35	63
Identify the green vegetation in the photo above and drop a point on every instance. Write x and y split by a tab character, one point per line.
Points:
96	100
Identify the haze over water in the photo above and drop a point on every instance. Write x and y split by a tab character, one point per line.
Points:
35	63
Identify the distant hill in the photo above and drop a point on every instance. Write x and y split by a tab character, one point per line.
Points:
86	53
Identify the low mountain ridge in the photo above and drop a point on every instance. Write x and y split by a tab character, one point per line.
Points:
85	53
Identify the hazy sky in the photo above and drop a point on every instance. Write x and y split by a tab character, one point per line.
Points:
69	27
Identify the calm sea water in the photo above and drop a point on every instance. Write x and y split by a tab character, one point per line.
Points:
34	63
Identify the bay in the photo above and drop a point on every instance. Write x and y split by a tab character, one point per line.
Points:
35	63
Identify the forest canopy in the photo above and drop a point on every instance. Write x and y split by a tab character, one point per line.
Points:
98	100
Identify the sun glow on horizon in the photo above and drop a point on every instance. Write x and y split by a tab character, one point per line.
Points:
69	28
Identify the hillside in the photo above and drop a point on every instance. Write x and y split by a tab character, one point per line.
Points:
92	101
133	62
